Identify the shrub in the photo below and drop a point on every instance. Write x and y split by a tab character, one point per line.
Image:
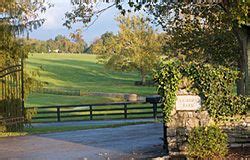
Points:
207	142
28	114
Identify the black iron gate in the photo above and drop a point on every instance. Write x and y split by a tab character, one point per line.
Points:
12	98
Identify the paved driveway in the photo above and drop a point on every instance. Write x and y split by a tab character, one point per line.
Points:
128	142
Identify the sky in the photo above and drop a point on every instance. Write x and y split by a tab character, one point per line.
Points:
55	18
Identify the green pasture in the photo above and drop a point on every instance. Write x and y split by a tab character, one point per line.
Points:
81	72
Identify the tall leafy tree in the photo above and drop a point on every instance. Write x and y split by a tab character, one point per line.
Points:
201	33
136	47
80	44
207	32
102	40
16	18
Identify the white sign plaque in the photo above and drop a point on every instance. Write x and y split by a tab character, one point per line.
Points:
188	103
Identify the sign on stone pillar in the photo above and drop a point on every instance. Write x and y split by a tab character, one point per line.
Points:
188	103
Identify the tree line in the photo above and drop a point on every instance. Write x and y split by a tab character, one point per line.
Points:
60	44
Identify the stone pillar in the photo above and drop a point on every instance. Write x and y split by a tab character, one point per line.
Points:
184	117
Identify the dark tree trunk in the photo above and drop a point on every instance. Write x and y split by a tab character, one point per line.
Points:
143	77
242	34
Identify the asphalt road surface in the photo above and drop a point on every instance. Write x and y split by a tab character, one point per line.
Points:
127	142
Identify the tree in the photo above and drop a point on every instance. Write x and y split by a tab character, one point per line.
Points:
201	33
17	17
222	22
102	40
207	32
135	47
80	44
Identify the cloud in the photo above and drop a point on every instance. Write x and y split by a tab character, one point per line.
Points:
54	16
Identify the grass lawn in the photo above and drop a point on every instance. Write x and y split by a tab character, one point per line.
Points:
42	130
52	129
12	134
81	72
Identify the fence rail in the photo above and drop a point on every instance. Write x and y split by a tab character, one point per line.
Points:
104	111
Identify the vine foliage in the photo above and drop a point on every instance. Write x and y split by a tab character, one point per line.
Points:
214	84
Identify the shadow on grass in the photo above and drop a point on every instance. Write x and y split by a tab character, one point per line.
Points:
75	70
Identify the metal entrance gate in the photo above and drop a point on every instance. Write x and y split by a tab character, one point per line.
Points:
11	98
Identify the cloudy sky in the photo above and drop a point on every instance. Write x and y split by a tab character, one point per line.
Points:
55	18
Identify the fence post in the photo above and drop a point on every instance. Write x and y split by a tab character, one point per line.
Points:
155	110
125	111
58	114
91	112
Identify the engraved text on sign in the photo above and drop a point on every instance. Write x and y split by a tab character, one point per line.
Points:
188	102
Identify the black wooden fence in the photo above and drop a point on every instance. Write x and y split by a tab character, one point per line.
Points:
104	111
